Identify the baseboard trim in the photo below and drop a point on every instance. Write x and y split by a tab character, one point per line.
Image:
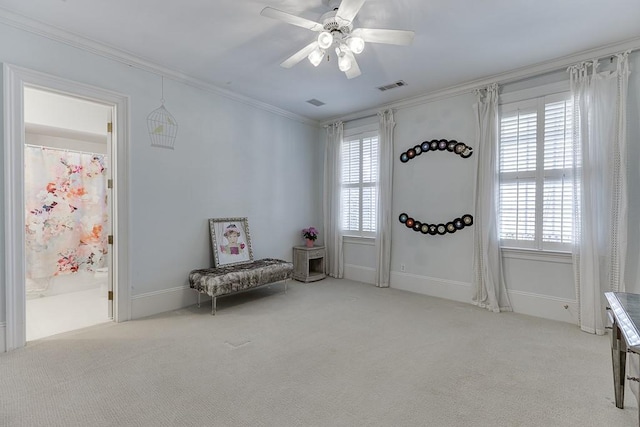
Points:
531	304
156	302
440	288
358	273
545	306
3	337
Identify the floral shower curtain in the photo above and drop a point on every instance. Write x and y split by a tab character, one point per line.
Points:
66	214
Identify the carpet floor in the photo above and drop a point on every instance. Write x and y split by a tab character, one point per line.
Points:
329	353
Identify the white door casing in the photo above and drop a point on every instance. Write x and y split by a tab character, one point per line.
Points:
15	79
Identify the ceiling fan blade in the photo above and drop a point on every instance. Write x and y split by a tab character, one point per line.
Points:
270	12
354	71
348	10
372	35
299	55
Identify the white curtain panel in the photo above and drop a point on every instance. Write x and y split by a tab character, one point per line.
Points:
489	284
334	262
384	200
600	164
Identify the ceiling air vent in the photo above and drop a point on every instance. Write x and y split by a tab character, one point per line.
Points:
315	102
392	85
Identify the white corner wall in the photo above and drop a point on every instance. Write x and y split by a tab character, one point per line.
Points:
437	187
232	158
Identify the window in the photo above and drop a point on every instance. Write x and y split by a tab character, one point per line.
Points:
359	184
536	162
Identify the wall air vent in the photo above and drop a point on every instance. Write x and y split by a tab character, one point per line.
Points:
392	85
315	102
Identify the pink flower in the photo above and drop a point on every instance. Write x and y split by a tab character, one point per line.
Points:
310	233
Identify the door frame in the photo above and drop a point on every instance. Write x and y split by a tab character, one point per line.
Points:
15	78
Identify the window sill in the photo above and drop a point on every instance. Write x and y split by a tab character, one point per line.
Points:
359	240
536	255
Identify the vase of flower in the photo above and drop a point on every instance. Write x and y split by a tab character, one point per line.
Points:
310	234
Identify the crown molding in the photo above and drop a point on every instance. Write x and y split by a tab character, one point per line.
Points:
109	52
501	78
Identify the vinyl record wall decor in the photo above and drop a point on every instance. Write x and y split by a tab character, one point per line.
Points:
432	228
436	229
452	146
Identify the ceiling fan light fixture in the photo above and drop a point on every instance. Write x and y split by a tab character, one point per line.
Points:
356	44
325	40
335	29
316	56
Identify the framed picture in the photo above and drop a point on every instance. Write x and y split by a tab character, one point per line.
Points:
231	241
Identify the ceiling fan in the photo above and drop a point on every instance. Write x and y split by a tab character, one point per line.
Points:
336	29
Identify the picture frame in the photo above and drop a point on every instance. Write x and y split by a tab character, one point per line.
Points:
230	241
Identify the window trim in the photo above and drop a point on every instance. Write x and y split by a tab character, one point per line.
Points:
360	133
538	99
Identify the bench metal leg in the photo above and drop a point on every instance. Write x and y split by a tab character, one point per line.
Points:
198	299
213	305
285	285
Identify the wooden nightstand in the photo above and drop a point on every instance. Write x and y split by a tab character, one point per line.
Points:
308	263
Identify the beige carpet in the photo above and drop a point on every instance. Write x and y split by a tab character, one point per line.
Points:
330	353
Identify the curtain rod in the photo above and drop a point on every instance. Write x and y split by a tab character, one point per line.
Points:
610	56
64	149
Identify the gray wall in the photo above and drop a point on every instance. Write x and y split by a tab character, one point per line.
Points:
230	159
3	207
439	186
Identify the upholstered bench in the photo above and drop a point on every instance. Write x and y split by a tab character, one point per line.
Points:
233	279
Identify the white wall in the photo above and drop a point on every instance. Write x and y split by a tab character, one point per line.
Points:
231	158
439	186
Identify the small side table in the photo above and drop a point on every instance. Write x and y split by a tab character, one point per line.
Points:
308	263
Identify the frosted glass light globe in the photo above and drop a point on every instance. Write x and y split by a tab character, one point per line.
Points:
316	56
325	40
344	63
356	44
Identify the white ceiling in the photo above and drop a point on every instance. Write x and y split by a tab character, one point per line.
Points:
228	43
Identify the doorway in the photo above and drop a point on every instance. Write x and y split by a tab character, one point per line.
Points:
67	157
19	135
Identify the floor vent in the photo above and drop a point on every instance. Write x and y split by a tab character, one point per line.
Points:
392	85
315	102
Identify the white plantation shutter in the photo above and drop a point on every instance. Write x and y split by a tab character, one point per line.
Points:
518	210
518	142
350	179
557	226
536	191
359	184
558	161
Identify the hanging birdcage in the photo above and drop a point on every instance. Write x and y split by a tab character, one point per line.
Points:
163	128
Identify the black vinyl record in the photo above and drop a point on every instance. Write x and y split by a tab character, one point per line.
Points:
458	224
